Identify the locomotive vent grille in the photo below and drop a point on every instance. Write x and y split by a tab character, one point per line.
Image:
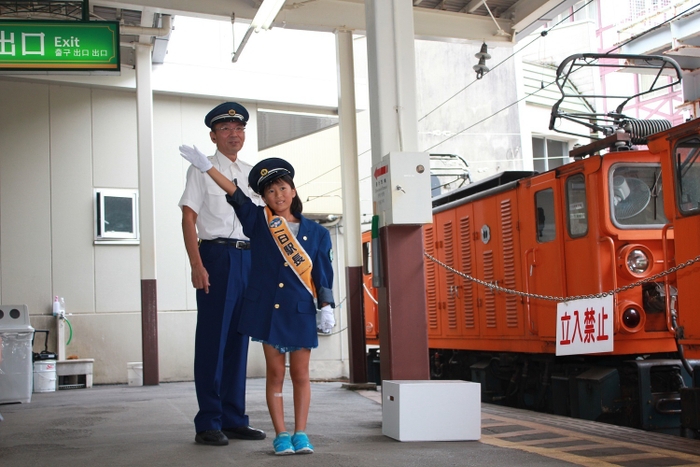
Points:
489	295
465	236
430	281
450	278
509	263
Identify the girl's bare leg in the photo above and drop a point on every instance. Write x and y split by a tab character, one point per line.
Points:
275	371
299	371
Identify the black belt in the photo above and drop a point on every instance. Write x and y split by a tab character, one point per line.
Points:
239	244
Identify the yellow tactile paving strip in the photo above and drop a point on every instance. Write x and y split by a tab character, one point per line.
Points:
577	447
570	440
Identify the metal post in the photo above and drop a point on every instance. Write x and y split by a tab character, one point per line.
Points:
403	335
351	205
86	10
149	304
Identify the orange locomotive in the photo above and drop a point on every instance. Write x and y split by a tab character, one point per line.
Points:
502	253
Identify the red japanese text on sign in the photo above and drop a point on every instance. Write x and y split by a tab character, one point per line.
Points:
585	326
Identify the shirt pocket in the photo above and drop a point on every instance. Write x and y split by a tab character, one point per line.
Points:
216	199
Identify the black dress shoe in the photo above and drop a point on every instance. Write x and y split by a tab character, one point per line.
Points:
211	438
244	432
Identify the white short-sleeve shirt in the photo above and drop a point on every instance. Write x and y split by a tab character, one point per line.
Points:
215	217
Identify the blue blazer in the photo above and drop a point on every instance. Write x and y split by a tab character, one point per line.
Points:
277	308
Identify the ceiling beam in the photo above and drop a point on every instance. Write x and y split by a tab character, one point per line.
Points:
528	13
472	6
331	15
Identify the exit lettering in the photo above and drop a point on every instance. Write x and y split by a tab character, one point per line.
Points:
70	42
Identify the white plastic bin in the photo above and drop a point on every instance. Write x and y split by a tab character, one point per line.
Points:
16	372
45	376
134	373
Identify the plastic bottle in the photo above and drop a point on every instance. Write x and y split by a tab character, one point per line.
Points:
62	306
56	306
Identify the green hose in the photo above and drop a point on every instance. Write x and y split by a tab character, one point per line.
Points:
70	336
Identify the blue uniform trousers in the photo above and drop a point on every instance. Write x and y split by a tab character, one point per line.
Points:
220	351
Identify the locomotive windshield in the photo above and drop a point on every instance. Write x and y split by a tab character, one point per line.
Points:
688	175
635	196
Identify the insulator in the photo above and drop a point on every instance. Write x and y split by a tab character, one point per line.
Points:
640	130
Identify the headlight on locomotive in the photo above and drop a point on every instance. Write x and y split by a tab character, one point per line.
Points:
635	260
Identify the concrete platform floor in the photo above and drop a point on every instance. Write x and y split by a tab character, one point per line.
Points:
152	426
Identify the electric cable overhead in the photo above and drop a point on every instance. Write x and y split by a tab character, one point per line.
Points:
542	34
329	171
492	115
319	176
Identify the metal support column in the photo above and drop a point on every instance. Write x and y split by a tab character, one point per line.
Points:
147	228
351	205
403	335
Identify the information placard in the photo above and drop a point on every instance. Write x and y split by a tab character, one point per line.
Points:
59	45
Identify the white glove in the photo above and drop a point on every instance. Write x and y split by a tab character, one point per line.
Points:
327	319
195	157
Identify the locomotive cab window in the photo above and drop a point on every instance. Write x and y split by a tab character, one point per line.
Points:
687	166
576	207
636	199
544	213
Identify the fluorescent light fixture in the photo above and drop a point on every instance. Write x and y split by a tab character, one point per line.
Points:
266	14
263	20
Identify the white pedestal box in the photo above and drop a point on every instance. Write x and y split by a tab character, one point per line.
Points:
431	410
75	373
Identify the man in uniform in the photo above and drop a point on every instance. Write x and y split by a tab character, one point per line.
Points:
219	255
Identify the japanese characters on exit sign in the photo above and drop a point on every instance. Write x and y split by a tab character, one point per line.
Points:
59	45
585	326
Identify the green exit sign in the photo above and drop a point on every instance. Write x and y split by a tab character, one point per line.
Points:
59	46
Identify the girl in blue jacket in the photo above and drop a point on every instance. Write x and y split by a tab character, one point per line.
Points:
291	275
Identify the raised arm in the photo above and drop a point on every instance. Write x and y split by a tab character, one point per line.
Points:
199	160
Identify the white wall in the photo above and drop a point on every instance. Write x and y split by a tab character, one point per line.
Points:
460	114
62	136
25	188
58	143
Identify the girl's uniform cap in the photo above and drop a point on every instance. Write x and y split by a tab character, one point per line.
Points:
267	170
226	112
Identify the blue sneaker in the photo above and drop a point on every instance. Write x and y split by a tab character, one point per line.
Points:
283	444
301	443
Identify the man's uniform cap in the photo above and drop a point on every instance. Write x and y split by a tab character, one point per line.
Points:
226	112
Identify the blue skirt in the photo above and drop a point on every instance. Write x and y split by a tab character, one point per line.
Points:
280	348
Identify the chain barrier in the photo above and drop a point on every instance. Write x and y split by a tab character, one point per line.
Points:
498	288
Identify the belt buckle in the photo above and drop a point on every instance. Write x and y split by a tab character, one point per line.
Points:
240	244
